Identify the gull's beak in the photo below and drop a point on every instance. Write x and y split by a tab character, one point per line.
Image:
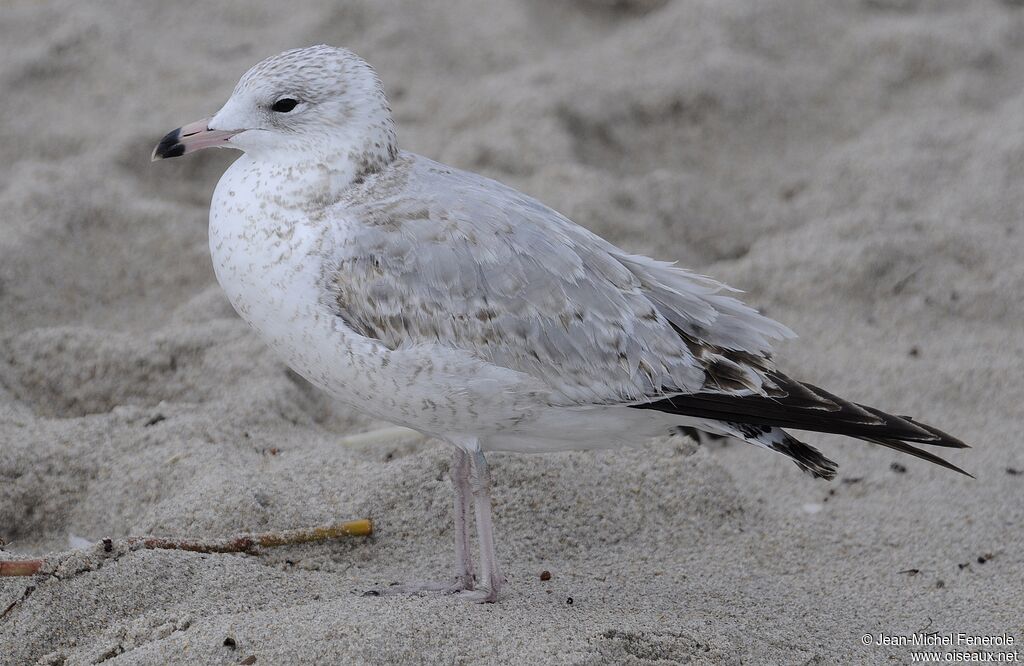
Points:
190	138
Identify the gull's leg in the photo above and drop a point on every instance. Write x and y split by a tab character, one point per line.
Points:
460	472
391	435
490	577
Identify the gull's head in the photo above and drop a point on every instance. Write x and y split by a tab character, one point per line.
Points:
315	103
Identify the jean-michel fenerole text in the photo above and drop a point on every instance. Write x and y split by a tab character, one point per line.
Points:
960	639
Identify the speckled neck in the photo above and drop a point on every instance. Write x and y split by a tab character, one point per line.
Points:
313	176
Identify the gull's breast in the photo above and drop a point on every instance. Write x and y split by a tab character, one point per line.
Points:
268	257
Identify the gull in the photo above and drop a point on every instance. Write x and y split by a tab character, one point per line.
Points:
455	306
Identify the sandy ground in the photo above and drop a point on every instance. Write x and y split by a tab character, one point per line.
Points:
856	166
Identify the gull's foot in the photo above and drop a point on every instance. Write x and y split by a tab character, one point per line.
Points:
460	584
484	594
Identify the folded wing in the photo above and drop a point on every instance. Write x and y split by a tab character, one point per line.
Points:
431	255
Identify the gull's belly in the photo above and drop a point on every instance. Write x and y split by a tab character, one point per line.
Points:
426	389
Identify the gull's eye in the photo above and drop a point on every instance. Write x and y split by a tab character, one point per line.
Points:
284	105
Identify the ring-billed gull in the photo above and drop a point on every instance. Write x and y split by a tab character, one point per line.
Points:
456	306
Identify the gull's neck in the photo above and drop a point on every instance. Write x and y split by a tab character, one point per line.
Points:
313	174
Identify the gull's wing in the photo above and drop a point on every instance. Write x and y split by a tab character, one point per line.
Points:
427	254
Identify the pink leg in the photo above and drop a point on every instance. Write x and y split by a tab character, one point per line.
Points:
490	576
460	472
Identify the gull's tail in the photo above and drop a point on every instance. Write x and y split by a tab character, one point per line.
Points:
792	404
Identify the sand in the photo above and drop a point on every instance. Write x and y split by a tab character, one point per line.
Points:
857	167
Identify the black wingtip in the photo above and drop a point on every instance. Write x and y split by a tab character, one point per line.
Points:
903	447
944	438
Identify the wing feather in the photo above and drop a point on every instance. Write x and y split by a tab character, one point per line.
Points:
430	254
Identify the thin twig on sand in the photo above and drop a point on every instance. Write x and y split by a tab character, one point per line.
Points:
242	543
20	567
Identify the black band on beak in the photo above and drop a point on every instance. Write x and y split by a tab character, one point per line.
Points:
169	146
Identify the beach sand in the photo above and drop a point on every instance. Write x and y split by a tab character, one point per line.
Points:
857	167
